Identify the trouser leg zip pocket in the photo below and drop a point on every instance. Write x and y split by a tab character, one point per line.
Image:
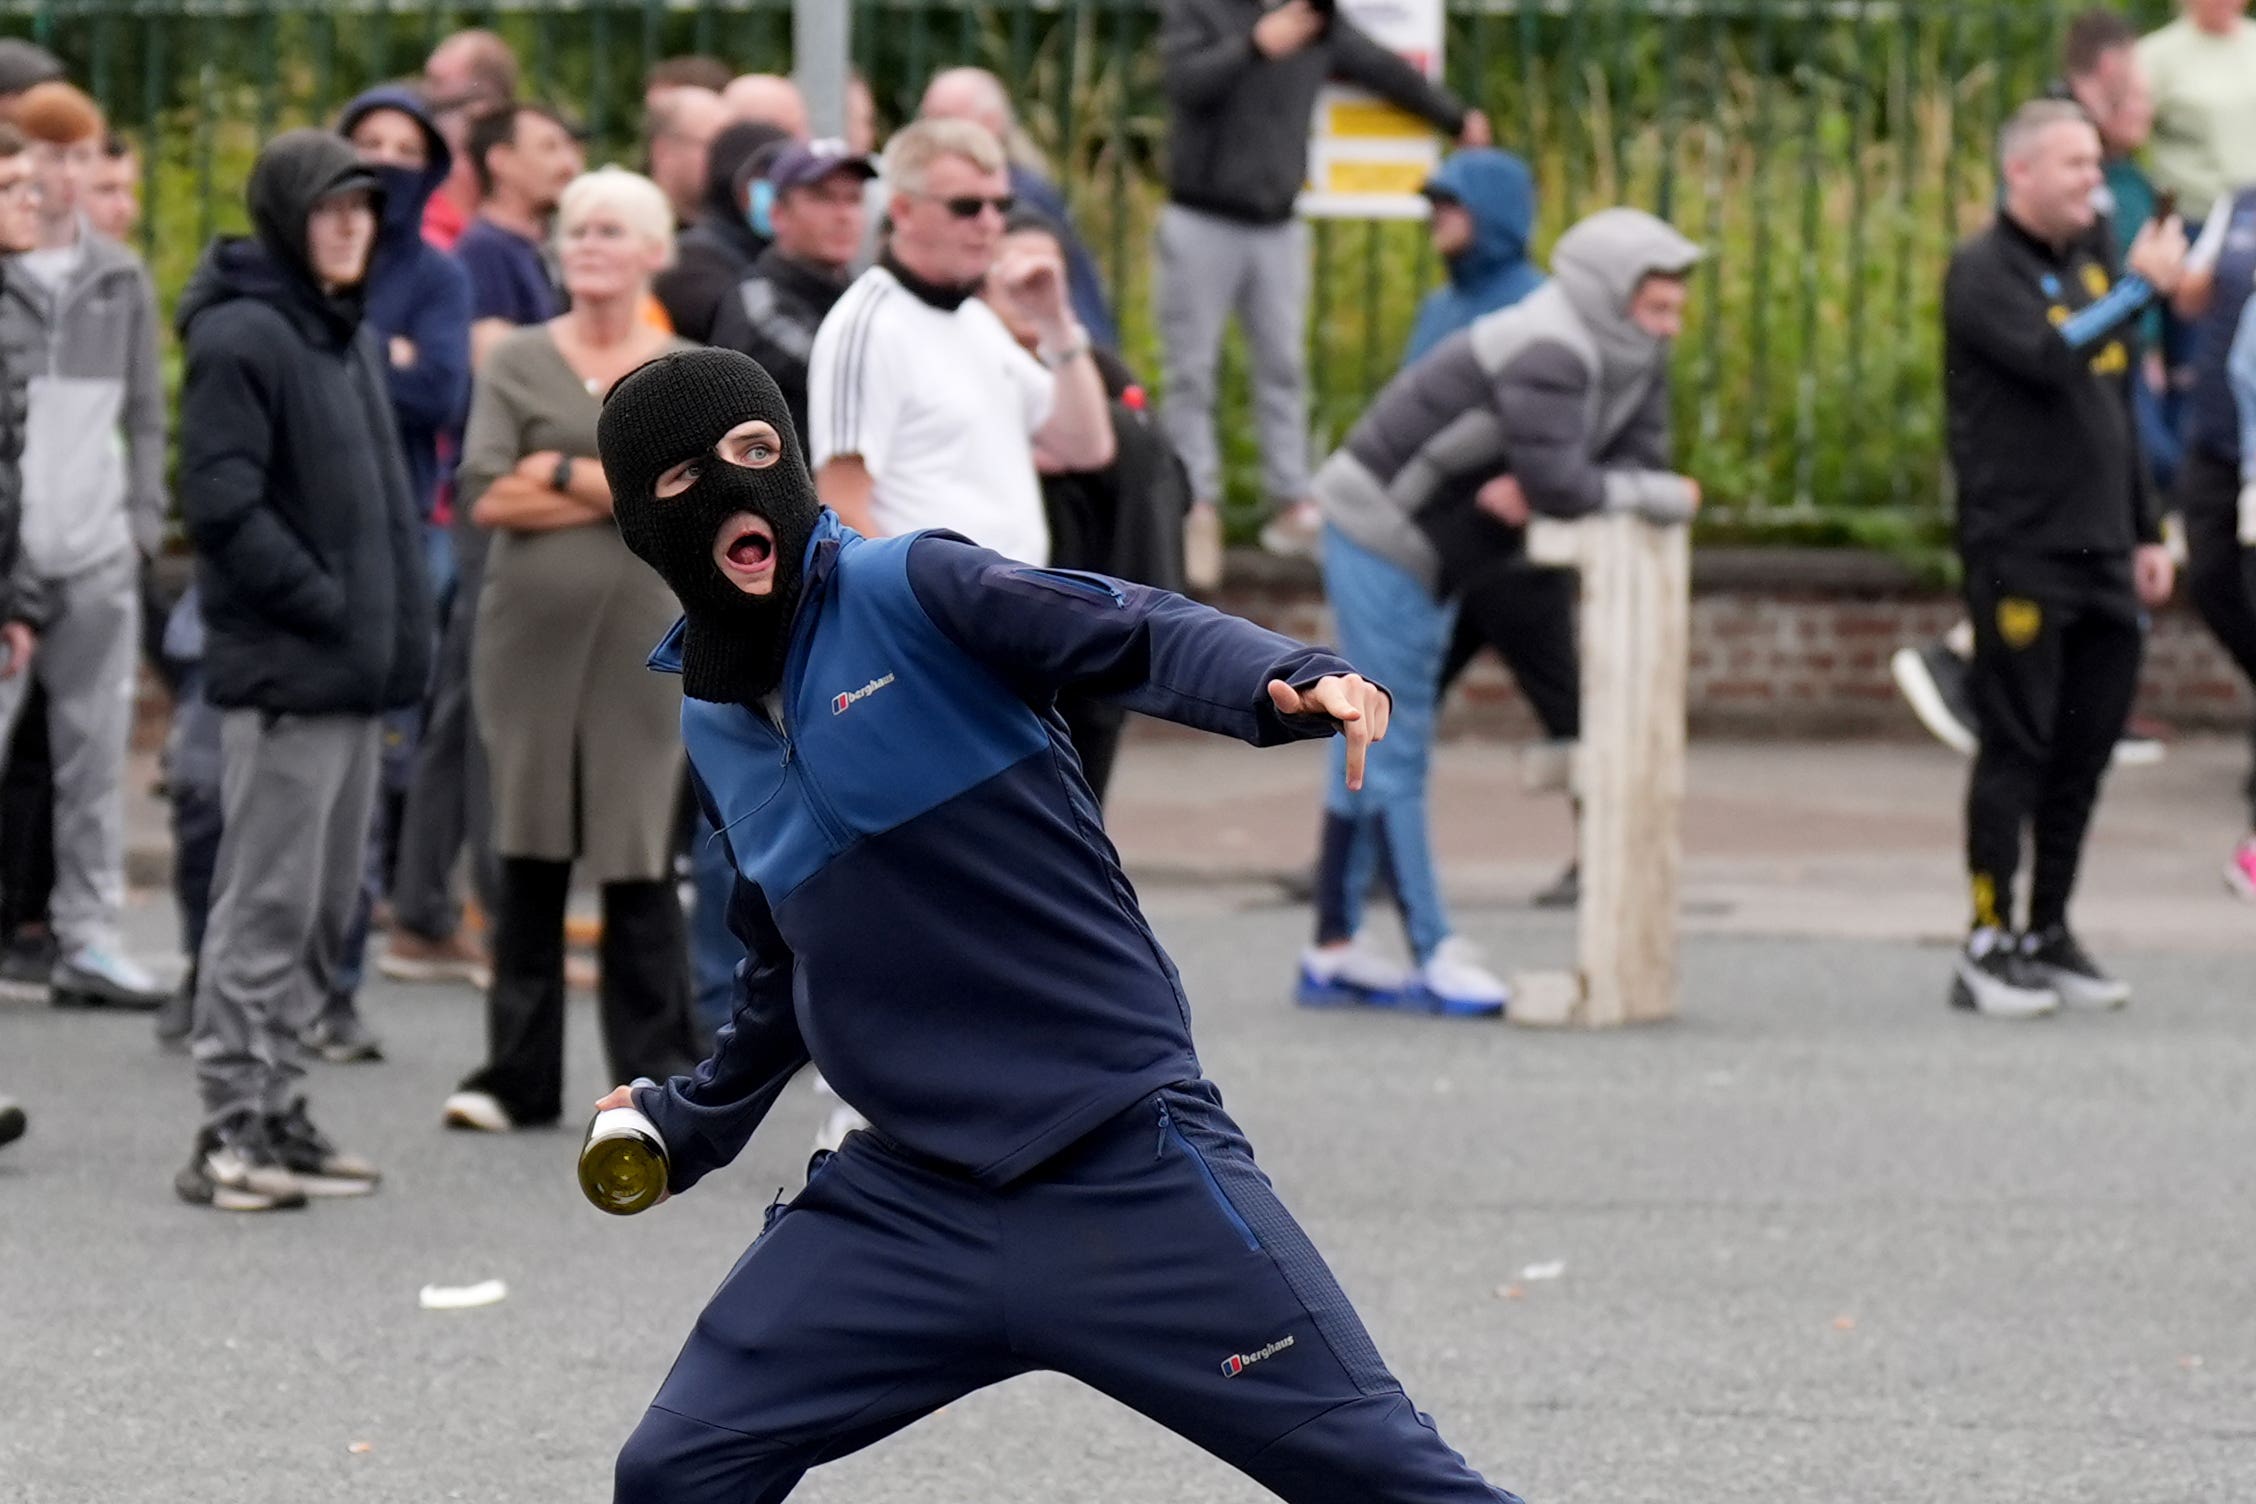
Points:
1169	1129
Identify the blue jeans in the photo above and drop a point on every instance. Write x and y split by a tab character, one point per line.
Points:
1393	631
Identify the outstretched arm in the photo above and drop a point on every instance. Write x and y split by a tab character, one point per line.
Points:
706	1117
1148	650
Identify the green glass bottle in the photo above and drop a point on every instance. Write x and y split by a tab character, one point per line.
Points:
623	1163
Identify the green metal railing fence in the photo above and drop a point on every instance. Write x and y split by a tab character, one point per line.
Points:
1829	151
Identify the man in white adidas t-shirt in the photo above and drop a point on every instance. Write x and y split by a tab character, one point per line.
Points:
923	411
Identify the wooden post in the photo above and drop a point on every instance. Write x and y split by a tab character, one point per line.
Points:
1634	623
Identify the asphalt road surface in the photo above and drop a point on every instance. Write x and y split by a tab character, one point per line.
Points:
1820	1240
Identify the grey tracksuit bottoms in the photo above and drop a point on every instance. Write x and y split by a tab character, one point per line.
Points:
87	658
1209	268
296	794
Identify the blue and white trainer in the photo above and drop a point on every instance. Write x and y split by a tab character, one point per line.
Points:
1350	976
93	976
1456	981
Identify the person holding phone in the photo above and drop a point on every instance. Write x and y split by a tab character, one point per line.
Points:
1241	77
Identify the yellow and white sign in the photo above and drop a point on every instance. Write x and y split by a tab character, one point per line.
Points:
1366	157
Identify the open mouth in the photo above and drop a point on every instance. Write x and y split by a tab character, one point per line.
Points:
745	548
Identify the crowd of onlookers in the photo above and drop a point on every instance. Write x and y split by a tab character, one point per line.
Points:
410	697
411	702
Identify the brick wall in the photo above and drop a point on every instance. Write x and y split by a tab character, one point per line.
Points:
1786	642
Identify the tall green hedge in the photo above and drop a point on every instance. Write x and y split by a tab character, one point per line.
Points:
1829	151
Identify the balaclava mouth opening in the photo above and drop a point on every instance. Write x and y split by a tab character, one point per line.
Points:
677	408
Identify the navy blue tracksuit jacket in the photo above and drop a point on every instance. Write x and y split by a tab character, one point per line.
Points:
933	915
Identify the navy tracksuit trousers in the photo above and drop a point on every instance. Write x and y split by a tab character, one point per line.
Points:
1151	1261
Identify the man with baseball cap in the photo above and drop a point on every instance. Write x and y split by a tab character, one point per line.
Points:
817	208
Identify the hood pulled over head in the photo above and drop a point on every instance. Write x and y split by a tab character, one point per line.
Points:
296	171
1599	264
406	189
1497	189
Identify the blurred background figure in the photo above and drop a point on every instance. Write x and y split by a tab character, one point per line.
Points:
976	95
584	740
467	75
678	131
687	72
113	193
1123	519
82	310
725	240
768	99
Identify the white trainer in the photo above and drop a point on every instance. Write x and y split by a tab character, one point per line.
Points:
1456	980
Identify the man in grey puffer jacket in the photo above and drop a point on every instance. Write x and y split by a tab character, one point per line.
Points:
1557	405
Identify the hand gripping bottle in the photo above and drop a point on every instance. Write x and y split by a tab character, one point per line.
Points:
623	1163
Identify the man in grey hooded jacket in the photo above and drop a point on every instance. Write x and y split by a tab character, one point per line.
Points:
1557	405
79	314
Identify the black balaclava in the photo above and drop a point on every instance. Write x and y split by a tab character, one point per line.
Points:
295	171
677	408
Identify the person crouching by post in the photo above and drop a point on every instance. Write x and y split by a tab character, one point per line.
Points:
2058	535
1557	405
309	559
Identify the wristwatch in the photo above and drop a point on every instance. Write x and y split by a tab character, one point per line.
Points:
562	479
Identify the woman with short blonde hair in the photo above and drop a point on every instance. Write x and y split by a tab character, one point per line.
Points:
583	740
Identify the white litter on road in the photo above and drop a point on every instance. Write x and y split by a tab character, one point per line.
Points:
1551	1270
462	1297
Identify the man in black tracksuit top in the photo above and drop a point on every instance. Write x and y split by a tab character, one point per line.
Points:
932	914
2058	536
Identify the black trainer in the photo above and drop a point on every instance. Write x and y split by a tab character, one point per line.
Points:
235	1169
12	1121
320	1167
176	1020
340	1037
1565	891
2055	958
1936	682
1993	978
26	962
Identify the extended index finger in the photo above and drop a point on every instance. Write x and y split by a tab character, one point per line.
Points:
1358	744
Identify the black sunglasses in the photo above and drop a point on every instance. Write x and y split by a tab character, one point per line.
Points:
968	205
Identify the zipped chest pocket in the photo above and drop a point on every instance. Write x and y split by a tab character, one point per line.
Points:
1171	1133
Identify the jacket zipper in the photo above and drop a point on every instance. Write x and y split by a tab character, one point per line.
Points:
66	298
795	677
1092	586
1168	1129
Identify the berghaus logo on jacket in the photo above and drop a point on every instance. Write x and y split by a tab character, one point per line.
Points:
1238	1363
845	701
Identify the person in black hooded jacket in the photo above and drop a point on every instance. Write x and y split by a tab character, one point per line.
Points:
317	620
716	253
